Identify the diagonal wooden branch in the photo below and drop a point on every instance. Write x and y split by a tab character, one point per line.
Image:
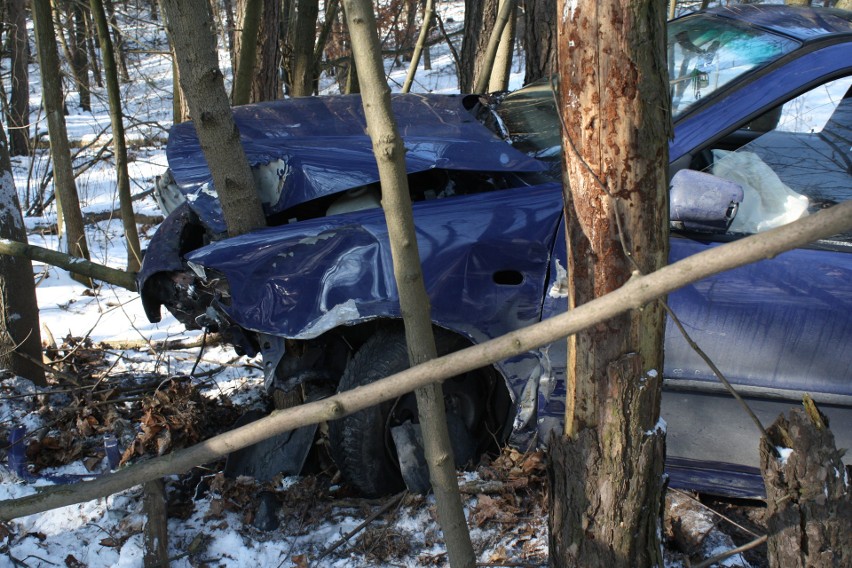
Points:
633	295
126	280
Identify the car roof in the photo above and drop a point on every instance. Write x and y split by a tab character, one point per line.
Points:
799	22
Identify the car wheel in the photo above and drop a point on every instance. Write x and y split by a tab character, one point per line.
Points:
362	444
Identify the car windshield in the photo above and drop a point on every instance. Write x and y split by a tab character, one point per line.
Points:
705	53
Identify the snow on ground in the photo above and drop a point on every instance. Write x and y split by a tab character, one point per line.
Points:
211	521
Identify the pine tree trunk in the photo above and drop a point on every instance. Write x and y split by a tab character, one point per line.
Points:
539	39
128	219
20	336
265	83
606	470
475	40
18	116
246	50
302	61
63	175
193	35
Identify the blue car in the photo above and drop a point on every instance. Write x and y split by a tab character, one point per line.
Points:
762	109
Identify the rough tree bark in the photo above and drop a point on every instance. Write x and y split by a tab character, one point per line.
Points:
266	84
192	31
246	50
808	497
539	38
633	295
18	114
302	60
414	303
128	219
65	188
605	471
475	40
19	326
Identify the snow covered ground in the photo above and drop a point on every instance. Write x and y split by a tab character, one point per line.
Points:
210	518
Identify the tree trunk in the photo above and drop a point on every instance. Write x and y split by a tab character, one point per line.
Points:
606	470
502	68
808	498
193	35
475	40
302	61
80	60
246	50
265	83
65	189
131	234
18	114
507	8
414	303
19	334
91	34
539	39
118	38
428	12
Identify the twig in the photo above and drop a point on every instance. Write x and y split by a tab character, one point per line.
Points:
385	508
728	553
715	512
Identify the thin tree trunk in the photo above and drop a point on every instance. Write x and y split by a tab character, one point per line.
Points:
80	61
634	295
63	175
302	61
19	325
414	303
507	7
606	471
499	79
18	116
131	234
247	51
330	17
192	32
118	38
91	34
428	12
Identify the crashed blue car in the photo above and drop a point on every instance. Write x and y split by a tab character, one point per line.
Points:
762	108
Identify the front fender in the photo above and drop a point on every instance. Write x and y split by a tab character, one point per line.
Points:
484	260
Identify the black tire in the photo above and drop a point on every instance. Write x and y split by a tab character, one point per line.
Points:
361	443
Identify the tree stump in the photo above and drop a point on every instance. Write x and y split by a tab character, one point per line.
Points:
809	508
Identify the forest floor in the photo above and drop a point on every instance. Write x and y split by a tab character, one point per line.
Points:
156	388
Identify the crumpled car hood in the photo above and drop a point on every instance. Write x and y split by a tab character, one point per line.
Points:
323	148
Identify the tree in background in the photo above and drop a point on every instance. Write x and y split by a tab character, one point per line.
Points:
65	188
606	470
128	218
18	112
193	35
475	39
302	70
79	57
539	39
20	339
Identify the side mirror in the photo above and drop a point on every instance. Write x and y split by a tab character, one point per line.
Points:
703	202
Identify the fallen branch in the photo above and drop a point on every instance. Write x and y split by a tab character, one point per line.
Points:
70	263
633	295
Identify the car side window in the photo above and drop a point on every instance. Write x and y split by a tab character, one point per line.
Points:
799	161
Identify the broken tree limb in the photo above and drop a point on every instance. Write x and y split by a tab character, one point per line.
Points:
633	295
70	263
808	497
